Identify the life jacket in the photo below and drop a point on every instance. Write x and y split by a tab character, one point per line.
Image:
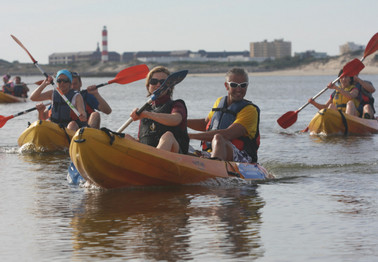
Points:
340	101
18	90
150	131
224	116
88	109
365	97
6	88
60	112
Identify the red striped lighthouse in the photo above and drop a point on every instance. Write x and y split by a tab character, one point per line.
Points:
104	53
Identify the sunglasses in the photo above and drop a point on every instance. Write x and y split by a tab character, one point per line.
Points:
63	81
235	85
154	81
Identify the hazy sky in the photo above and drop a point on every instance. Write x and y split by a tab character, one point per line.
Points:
48	26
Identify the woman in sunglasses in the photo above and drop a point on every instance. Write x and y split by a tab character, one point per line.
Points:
231	130
164	123
60	112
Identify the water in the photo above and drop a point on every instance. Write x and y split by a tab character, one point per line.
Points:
322	206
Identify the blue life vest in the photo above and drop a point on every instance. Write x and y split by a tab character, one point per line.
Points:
224	116
60	111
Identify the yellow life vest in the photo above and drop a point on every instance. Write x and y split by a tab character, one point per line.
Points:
340	101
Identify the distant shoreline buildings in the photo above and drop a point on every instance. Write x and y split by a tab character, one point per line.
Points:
259	51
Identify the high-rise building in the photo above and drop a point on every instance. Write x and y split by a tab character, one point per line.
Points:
276	49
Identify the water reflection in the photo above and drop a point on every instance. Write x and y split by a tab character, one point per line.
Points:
169	224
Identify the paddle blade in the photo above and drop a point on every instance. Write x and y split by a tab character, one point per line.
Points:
172	80
352	68
23	47
288	119
4	119
131	74
372	46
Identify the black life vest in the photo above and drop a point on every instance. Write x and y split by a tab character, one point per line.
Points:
224	116
18	90
150	131
60	111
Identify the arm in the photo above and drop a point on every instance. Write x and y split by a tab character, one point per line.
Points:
233	131
42	114
103	106
38	95
320	106
173	119
365	84
198	124
80	107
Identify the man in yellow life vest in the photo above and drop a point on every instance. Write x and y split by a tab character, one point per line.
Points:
344	98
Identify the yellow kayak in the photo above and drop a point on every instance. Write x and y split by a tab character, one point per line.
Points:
7	98
334	122
111	161
45	136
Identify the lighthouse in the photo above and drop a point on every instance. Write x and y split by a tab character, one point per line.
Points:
104	54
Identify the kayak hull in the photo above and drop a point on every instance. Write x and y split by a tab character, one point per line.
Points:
7	98
115	162
333	122
45	136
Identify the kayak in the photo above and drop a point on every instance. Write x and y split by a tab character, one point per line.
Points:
7	98
110	160
334	122
45	136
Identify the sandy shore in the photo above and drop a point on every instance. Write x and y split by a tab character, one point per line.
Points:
332	67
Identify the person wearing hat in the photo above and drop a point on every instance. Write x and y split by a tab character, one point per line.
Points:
60	112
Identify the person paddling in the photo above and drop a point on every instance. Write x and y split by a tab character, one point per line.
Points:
60	112
92	101
344	98
164	123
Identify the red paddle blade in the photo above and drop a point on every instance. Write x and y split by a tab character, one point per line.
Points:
352	68
288	119
23	47
131	74
372	46
3	120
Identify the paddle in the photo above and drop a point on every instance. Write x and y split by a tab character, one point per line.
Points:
128	75
4	119
44	73
371	47
38	83
290	117
172	80
350	69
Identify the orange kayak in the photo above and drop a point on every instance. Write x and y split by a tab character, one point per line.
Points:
45	136
334	122
111	161
7	98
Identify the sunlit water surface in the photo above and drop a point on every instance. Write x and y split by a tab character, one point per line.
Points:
322	206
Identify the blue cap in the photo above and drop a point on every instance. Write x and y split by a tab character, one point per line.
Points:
66	73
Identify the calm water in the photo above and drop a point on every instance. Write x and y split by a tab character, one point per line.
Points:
322	207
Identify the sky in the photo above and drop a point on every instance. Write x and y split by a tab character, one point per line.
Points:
49	26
